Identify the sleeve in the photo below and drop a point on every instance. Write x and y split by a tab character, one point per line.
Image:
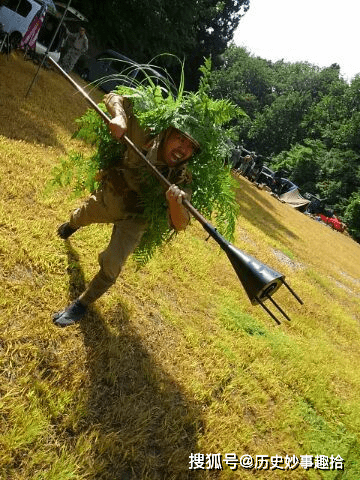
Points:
71	36
86	45
114	104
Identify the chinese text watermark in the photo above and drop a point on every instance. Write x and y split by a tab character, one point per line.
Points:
216	461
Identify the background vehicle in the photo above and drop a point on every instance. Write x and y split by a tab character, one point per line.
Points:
16	16
266	176
110	69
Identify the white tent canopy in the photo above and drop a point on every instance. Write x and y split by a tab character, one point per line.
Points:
293	198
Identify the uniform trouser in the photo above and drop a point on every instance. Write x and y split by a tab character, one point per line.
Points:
104	207
70	58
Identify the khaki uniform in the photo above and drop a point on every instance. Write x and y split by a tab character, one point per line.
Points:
79	46
117	202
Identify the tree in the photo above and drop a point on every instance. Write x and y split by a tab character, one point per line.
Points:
324	118
352	215
144	29
348	133
304	164
248	81
278	127
304	118
339	177
215	26
305	78
332	174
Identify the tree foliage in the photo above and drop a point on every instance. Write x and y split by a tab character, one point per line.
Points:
143	29
304	119
352	215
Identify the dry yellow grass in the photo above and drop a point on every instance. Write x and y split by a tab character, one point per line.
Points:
173	360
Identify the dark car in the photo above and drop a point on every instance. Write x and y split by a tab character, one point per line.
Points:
110	69
266	176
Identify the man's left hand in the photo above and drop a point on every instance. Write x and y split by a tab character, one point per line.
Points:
174	193
179	215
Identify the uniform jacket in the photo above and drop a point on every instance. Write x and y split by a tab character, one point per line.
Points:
127	178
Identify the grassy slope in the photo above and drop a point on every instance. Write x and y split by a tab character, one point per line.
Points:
174	359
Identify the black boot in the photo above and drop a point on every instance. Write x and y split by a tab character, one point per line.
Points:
72	314
64	231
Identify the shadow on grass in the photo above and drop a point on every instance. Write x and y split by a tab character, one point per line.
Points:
257	210
147	426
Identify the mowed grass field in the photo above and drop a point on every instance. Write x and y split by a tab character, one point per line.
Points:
173	360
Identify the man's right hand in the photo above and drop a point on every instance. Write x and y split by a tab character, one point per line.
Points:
118	127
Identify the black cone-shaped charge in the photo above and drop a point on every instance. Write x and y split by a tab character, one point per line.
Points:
257	279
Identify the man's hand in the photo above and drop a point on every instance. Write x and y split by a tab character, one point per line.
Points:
118	123
179	215
174	194
118	127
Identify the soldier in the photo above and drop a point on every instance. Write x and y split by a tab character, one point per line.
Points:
79	45
118	201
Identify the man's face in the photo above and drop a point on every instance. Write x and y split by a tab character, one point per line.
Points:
177	148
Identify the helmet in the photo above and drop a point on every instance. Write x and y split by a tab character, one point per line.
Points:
186	134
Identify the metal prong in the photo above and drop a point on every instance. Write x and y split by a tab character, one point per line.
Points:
268	311
292	291
278	307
